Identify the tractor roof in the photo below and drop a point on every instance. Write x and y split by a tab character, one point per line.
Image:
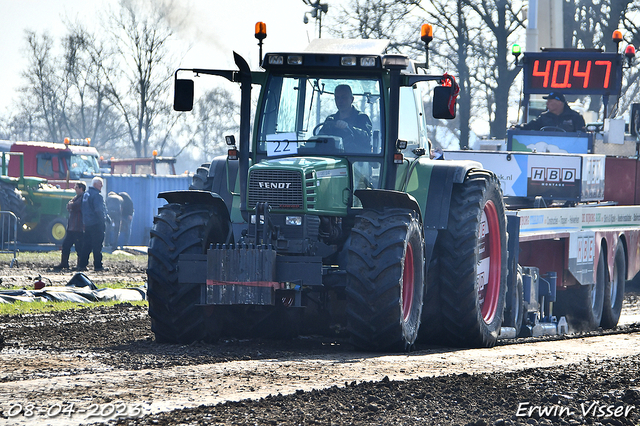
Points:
356	47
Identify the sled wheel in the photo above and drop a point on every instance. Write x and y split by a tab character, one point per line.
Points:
614	290
583	304
514	311
385	280
179	229
473	257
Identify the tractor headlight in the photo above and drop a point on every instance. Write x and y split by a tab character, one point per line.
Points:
276	60
253	219
293	220
348	61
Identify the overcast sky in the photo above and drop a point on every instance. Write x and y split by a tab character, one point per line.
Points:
223	26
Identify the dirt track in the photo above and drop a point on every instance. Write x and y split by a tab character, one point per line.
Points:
105	360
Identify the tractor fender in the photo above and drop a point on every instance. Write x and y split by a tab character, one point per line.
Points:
224	174
431	183
206	198
377	199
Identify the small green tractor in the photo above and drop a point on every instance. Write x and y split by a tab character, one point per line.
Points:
41	208
300	230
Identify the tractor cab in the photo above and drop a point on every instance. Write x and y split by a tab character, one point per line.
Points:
298	121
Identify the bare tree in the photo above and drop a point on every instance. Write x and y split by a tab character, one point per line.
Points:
591	24
41	95
395	21
453	41
139	90
86	107
500	22
64	96
215	115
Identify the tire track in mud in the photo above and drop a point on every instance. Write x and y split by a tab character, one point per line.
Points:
161	390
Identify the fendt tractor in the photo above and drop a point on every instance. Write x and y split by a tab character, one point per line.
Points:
314	225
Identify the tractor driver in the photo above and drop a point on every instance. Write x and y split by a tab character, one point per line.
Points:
353	126
558	114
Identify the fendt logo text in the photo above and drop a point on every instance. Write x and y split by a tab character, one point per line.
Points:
274	185
552	174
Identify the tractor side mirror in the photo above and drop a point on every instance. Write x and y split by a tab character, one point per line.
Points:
183	95
444	102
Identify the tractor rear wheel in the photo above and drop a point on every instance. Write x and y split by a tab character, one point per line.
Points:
385	280
12	201
614	290
179	229
472	253
583	304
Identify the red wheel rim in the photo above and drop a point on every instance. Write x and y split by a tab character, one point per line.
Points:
407	283
490	253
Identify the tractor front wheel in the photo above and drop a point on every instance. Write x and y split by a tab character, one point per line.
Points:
385	280
583	304
179	229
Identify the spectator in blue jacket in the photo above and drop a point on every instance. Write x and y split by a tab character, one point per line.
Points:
94	217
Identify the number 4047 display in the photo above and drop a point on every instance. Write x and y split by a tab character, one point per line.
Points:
572	72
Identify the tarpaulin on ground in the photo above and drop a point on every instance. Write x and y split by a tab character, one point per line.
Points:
74	294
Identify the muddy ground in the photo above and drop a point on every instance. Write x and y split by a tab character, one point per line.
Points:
105	362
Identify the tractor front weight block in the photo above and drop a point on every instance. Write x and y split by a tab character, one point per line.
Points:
241	275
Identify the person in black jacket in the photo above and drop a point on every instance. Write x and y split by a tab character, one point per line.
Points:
94	216
353	126
558	114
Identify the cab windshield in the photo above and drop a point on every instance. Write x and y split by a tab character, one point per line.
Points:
321	116
82	165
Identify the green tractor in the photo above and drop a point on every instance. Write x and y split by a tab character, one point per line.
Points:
309	225
41	208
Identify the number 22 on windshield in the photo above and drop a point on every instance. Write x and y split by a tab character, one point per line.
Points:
281	145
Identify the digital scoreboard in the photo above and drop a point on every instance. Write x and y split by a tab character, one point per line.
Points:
572	72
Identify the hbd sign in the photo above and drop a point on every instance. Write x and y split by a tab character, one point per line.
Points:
553	175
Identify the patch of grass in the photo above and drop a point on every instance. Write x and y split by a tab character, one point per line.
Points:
53	258
115	285
122	284
19	308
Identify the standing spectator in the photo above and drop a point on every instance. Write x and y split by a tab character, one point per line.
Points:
75	227
94	217
114	209
127	218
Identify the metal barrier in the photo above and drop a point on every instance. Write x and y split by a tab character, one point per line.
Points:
9	235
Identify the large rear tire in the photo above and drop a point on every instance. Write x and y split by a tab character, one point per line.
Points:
179	229
583	305
385	280
473	263
12	201
614	290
